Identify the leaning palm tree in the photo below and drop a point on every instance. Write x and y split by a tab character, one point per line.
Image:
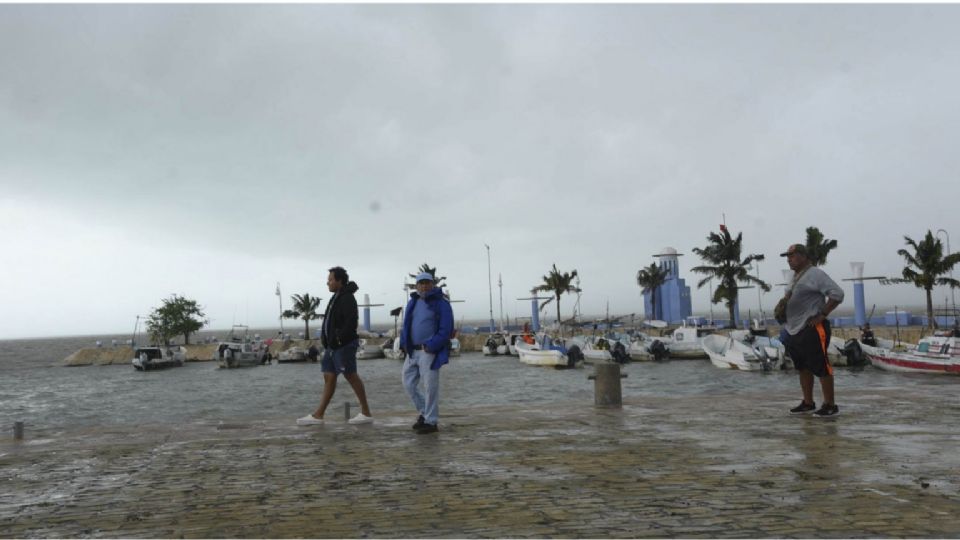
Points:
818	247
304	307
438	281
724	264
650	278
925	266
557	283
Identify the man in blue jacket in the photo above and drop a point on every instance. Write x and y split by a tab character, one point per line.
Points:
427	329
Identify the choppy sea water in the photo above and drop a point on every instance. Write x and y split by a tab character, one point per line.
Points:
36	389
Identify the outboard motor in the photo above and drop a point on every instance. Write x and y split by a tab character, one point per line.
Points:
764	358
658	350
853	353
619	353
574	356
492	344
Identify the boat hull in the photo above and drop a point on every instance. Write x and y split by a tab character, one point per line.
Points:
542	358
940	364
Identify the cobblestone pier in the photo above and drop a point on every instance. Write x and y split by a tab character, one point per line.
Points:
708	466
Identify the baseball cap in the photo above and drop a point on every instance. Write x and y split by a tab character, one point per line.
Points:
424	276
795	248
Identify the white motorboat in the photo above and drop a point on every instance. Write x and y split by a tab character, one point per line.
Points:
239	354
496	344
728	353
369	349
934	354
646	347
513	340
601	349
153	358
454	347
544	352
685	341
391	349
293	354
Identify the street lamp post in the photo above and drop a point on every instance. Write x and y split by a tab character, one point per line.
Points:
490	287
280	300
953	294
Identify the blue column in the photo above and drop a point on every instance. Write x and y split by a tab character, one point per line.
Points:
736	312
534	315
366	312
859	304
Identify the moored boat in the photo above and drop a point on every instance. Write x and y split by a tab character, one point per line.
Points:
728	353
153	358
934	354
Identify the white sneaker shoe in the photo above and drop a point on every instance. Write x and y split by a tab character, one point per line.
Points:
309	420
361	419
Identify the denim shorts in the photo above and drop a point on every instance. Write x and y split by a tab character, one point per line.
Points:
342	360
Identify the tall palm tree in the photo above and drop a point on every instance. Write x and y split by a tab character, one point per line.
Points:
438	281
557	283
650	278
304	307
925	266
722	254
818	247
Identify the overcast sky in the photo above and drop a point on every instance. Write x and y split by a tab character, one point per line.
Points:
213	151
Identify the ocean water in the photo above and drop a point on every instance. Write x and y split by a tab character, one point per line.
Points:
36	389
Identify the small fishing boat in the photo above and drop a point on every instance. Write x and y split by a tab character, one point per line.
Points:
153	358
514	340
728	353
369	349
239	351
293	354
546	352
686	341
391	349
934	354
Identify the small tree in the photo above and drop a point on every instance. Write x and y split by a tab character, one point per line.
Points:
925	266
557	283
650	279
177	315
304	307
818	247
723	255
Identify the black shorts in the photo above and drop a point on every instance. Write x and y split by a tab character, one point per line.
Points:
342	360
808	349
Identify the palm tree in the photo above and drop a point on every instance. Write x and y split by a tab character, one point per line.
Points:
650	279
925	266
304	307
724	264
438	281
818	247
557	283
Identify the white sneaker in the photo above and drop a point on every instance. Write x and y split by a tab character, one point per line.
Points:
309	420
361	419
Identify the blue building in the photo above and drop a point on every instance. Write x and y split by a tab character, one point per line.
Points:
673	297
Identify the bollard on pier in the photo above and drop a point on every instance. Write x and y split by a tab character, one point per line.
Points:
18	431
606	385
346	410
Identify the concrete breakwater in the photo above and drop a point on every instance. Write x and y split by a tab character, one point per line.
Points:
103	356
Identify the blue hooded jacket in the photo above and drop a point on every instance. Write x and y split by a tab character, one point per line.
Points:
439	343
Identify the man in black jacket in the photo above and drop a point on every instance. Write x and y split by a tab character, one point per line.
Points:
340	342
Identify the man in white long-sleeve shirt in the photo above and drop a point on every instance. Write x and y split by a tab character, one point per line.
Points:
810	298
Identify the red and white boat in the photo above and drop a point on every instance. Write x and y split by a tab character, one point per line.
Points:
934	354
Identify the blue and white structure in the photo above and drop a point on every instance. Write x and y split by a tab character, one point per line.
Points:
859	300
534	310
673	297
366	305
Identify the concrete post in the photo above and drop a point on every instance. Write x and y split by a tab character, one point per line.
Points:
346	410
606	385
18	431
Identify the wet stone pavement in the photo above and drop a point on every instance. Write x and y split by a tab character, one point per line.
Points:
712	466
